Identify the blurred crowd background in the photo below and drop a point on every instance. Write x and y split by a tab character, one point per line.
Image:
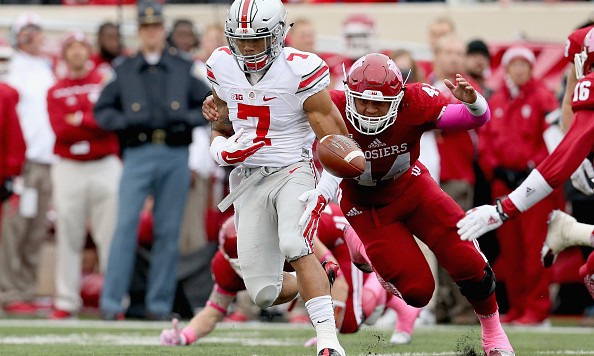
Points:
513	52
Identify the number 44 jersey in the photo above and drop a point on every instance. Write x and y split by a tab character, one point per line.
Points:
271	110
391	155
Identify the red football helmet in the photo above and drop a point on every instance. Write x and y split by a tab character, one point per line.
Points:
584	60
373	77
228	239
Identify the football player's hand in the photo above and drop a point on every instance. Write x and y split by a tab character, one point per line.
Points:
462	90
478	221
238	148
315	202
171	337
582	177
209	109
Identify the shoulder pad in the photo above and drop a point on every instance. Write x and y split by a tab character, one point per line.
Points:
583	98
302	63
218	53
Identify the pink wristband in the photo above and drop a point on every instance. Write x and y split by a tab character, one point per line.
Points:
189	334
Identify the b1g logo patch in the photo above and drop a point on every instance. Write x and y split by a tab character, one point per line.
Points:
237	97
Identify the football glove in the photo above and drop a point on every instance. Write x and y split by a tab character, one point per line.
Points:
315	203
234	149
479	221
171	337
582	177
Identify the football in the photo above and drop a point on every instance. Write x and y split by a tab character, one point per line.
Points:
341	156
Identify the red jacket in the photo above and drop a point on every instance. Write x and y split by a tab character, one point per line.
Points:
84	140
12	143
513	139
457	150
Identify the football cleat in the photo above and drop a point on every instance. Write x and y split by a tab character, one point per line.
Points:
328	352
556	241
499	352
331	270
400	338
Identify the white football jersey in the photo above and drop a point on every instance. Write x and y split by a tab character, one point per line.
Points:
272	109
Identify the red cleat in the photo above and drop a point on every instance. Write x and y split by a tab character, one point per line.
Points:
20	307
59	314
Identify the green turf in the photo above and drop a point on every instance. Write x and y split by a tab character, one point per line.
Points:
276	339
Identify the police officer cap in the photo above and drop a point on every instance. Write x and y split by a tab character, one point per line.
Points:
150	12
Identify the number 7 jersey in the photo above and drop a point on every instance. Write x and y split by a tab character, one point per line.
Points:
271	110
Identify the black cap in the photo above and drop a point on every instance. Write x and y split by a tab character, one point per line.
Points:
150	12
478	47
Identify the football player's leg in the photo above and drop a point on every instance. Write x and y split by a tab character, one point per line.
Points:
396	257
259	256
405	321
374	299
462	259
313	283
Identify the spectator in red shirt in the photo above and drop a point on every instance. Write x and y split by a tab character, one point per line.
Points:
511	145
12	144
86	178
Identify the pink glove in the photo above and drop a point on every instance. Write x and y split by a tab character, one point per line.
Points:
171	337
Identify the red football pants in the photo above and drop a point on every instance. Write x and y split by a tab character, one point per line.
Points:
423	210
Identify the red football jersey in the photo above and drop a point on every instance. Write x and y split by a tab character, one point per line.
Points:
574	42
579	140
390	154
330	227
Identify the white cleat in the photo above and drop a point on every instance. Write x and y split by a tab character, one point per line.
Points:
400	338
557	239
498	352
378	311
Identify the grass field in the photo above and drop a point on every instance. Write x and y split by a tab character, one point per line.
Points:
73	337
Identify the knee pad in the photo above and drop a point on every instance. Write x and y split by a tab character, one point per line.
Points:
262	291
266	296
479	289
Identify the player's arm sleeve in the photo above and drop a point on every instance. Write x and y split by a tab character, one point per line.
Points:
575	146
556	168
462	117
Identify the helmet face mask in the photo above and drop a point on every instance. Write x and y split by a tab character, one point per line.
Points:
584	60
254	20
373	77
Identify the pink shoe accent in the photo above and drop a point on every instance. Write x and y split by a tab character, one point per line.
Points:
406	315
493	335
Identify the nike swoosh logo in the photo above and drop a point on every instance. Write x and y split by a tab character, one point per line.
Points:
323	321
293	170
267	99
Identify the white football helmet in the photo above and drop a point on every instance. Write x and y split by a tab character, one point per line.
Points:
254	19
584	60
